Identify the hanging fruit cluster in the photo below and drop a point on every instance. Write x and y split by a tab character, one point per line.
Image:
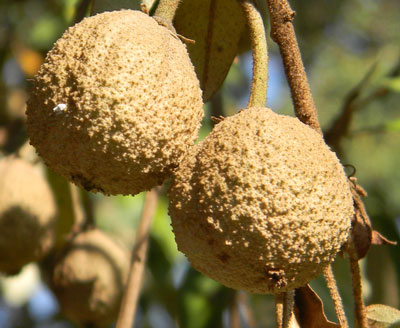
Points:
261	204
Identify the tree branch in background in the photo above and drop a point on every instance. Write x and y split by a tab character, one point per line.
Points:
138	260
352	103
282	32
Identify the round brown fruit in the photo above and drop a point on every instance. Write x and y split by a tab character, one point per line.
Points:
27	215
116	105
88	279
262	204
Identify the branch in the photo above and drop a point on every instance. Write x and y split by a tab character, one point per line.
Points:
166	10
258	93
138	260
282	32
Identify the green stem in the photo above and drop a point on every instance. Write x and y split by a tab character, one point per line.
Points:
259	83
166	10
69	211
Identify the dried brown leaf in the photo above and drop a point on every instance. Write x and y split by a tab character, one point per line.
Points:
378	239
216	26
310	309
363	234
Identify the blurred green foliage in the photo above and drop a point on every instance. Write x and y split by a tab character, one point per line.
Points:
340	42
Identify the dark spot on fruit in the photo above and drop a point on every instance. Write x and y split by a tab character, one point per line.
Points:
276	277
223	257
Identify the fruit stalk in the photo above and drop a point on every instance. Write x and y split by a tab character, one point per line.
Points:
360	312
69	210
282	32
279	309
138	260
166	9
288	308
258	93
337	300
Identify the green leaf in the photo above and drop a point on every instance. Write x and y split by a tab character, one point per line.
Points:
216	27
383	316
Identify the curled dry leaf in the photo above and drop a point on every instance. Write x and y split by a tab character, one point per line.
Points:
309	309
216	27
363	234
382	316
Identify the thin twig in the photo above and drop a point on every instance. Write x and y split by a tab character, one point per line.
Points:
279	298
258	93
360	312
337	300
138	260
282	32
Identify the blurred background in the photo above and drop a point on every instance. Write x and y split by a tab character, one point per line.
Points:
351	50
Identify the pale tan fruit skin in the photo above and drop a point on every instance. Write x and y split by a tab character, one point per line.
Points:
88	280
133	104
27	215
262	204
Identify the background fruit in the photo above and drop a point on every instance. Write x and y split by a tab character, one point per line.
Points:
27	215
88	279
116	104
262	204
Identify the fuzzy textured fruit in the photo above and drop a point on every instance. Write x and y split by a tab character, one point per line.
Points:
116	105
88	279
262	204
27	215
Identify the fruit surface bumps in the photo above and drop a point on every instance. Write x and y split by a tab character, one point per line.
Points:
262	204
89	279
116	105
27	215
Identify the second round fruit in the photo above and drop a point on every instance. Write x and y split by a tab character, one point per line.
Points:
262	204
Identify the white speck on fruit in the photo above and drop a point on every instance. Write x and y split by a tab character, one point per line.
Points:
59	109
